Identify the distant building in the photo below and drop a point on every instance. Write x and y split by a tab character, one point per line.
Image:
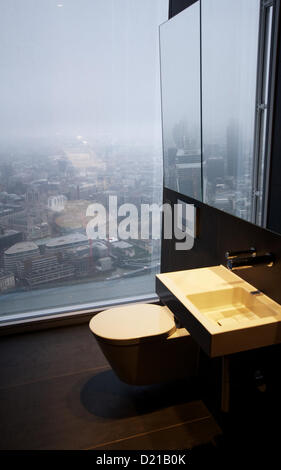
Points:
7	280
9	238
38	231
104	264
7	198
84	190
122	249
3	196
85	258
80	259
27	223
82	265
19	252
146	244
66	242
5	212
43	269
99	249
78	252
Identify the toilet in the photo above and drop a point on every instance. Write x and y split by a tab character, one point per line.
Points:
143	344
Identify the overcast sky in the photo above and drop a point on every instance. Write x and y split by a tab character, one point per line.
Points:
86	67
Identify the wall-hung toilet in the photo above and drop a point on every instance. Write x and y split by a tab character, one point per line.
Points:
143	345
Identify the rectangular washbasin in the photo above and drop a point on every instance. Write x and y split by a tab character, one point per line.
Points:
221	311
231	306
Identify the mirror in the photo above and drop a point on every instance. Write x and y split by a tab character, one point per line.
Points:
230	37
215	82
180	84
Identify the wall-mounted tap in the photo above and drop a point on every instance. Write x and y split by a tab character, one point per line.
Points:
247	259
233	254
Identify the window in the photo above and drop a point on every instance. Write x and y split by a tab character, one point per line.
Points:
80	123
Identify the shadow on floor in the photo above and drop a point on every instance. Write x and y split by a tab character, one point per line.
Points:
106	396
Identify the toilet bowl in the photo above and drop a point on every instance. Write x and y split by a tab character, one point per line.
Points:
143	344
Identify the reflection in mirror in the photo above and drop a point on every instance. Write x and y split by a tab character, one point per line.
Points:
230	35
180	85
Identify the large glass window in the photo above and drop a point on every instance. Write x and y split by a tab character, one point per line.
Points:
80	125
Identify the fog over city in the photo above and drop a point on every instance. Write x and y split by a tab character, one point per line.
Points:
85	67
80	119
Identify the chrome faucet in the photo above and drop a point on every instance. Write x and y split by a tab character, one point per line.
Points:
247	259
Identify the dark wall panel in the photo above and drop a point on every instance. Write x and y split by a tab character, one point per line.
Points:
219	232
176	6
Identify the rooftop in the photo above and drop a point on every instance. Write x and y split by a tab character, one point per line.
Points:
122	245
21	247
8	233
67	240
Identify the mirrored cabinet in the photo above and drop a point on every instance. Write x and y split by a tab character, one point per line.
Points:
216	62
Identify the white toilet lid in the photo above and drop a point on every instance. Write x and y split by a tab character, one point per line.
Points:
134	323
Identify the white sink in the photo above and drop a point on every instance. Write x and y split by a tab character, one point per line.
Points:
223	313
231	306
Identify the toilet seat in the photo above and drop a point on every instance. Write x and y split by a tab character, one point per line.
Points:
133	324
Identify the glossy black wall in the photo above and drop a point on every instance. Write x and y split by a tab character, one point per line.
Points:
219	232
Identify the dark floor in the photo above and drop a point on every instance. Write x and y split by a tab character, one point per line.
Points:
57	391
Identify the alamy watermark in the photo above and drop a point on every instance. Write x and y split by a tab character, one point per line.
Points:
144	223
